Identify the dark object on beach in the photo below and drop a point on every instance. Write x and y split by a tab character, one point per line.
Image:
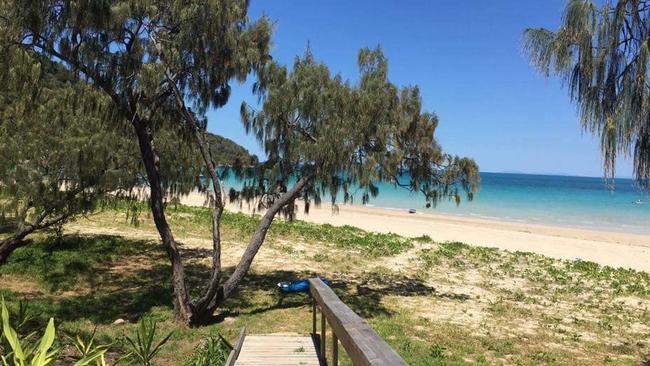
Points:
297	286
412	211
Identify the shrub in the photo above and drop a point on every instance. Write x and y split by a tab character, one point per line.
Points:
213	351
143	349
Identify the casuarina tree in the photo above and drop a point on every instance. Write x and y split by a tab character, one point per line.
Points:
57	158
117	47
325	136
344	137
602	54
152	58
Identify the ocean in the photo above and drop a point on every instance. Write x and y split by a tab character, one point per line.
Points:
581	202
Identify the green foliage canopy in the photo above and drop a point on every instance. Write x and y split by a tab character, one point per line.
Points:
116	46
57	156
349	136
148	58
602	55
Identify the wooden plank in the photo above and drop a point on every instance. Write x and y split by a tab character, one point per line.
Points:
232	357
362	344
278	350
313	316
335	350
323	338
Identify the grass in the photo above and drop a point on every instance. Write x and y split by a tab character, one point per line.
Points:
197	219
436	304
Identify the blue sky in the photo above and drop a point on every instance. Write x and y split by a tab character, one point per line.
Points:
467	59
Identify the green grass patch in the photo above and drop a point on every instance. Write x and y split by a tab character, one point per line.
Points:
239	225
59	262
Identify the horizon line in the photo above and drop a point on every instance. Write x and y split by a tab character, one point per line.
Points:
559	174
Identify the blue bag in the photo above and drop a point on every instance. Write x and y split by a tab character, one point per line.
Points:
297	286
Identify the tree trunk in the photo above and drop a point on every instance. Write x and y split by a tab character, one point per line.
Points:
204	307
182	305
215	294
7	246
258	238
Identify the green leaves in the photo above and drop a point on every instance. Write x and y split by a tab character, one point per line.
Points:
10	335
353	136
23	352
214	350
44	355
26	352
602	55
89	352
143	347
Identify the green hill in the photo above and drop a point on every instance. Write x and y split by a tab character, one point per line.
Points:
227	152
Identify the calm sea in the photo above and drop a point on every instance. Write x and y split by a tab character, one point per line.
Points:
542	199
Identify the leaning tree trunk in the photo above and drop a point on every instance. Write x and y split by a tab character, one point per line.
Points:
7	246
17	240
257	239
183	307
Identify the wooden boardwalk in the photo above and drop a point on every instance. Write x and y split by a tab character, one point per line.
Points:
362	344
278	349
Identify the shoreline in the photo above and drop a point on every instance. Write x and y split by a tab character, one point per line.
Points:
616	249
470	217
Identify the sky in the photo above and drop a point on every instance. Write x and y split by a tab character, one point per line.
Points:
467	59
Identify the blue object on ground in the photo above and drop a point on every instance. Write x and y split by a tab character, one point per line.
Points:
297	286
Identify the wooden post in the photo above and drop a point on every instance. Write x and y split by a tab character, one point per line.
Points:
323	337
313	317
335	350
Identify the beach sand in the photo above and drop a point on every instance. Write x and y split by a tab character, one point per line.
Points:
616	249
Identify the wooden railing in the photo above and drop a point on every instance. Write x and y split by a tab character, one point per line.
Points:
362	344
234	353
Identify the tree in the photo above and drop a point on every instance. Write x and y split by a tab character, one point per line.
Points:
317	126
61	153
325	135
55	162
118	48
151	58
602	55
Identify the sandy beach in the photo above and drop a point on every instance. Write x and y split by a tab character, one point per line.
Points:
614	249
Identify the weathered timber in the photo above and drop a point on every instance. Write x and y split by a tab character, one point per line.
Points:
362	344
237	348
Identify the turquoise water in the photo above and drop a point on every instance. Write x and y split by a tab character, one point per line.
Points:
542	199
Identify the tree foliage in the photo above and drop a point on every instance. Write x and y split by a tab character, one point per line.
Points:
148	59
57	156
351	137
602	55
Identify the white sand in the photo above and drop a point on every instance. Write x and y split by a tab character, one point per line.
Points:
607	248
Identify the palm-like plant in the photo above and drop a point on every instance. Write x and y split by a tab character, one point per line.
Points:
143	348
22	352
602	54
89	352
